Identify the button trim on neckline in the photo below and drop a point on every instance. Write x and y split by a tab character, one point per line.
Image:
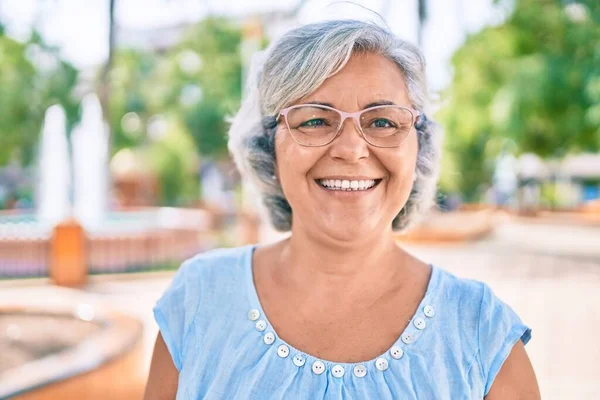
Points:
411	333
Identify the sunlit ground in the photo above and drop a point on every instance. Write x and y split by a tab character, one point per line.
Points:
549	273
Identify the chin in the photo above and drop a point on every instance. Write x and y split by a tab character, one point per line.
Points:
347	232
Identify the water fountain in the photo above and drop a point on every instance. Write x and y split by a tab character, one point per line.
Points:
54	170
90	159
116	241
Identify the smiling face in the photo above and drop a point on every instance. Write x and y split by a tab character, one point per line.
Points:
308	174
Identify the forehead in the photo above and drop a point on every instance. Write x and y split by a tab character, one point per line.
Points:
366	78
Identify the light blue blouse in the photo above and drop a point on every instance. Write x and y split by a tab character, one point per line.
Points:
224	347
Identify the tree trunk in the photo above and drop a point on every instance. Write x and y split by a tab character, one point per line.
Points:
422	20
105	90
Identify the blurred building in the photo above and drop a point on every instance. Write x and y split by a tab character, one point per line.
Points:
583	171
574	180
133	184
14	181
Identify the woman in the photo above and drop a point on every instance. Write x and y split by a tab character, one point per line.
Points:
334	135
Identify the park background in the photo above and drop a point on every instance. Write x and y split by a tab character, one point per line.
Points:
114	169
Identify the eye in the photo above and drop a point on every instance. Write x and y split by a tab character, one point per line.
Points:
382	123
315	122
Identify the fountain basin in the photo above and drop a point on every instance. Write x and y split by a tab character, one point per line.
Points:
68	346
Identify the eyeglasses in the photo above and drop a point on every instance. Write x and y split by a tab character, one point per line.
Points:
315	125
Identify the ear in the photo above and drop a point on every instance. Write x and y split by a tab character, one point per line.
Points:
275	176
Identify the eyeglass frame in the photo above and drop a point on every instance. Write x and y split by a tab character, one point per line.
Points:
345	115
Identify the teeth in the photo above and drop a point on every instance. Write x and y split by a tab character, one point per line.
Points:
346	184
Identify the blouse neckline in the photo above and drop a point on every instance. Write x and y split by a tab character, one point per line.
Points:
419	323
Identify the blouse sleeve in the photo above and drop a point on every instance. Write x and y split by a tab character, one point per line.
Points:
174	312
499	329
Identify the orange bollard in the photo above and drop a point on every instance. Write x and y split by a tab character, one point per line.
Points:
67	255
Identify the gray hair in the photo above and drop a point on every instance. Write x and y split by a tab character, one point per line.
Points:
295	66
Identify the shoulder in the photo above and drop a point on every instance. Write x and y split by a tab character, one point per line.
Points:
459	290
210	275
475	300
207	278
489	325
462	297
458	301
220	260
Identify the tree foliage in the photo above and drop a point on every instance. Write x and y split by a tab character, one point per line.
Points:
197	82
533	80
217	43
32	78
192	86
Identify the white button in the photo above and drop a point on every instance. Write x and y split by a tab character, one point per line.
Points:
261	325
396	352
407	338
269	338
299	360
283	351
337	371
420	323
318	367
253	314
429	311
360	371
381	364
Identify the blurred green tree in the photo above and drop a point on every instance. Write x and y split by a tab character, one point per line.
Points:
32	78
129	76
205	76
533	79
190	88
198	81
175	165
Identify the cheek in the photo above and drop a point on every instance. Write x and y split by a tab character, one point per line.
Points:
410	149
283	154
401	164
293	160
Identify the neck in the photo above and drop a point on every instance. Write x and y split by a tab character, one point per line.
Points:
332	267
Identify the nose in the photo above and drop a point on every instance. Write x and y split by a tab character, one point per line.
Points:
349	145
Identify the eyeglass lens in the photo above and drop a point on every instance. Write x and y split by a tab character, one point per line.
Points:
382	126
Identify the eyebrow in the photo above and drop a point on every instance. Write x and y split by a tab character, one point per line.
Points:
373	104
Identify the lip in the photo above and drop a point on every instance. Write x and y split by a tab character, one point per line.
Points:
348	178
345	194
